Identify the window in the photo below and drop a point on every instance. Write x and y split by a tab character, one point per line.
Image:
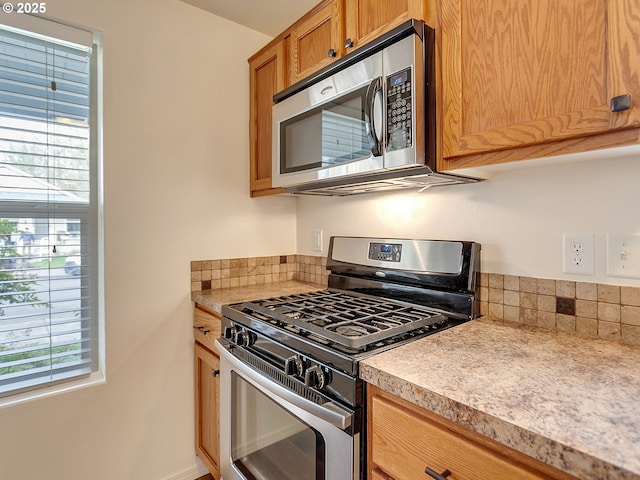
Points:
49	230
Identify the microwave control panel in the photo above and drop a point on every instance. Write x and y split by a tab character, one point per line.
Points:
399	110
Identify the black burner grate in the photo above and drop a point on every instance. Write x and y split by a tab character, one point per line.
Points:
350	319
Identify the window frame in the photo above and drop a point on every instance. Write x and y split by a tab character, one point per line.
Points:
91	216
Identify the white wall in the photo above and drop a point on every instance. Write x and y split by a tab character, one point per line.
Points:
176	163
519	215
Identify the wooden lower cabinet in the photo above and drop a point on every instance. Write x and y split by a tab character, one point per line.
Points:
404	439
207	394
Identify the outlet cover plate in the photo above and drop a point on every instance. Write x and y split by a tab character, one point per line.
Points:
578	253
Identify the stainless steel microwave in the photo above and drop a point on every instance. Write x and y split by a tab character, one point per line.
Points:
365	123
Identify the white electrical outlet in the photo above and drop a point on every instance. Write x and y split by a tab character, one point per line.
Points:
623	256
577	254
316	240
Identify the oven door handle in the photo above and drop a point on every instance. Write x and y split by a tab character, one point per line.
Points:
328	412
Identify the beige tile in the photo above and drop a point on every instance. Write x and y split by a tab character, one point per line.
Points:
206	265
234	282
586	308
565	289
566	323
196	286
512	314
225	263
630	334
484	294
512	298
236	262
546	320
496	295
528	285
484	308
196	276
609	330
587	326
608	312
215	264
496	310
529	300
225	283
511	282
546	303
630	296
496	280
528	316
216	284
252	262
608	293
216	274
586	291
484	279
196	265
630	315
546	287
205	275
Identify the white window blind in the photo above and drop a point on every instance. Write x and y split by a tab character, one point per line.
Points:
48	211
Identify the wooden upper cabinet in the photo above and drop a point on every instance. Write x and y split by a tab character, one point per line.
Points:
316	40
368	19
267	70
521	73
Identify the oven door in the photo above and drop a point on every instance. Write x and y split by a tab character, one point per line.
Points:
268	432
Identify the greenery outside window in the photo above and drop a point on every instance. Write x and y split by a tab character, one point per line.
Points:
49	206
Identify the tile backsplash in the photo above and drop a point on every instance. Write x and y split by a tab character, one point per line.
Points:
596	310
609	312
238	272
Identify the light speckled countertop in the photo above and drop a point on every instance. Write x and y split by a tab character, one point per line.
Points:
214	299
569	401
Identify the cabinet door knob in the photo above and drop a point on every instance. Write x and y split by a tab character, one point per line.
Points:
332	53
621	103
348	43
215	373
437	476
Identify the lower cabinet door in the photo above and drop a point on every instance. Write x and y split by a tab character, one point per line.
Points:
207	382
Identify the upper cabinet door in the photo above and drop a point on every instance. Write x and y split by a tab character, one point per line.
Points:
316	40
518	73
368	19
267	76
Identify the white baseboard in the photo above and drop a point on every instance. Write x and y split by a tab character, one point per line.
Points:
197	471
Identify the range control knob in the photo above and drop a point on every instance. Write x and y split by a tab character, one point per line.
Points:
317	378
245	338
239	338
294	366
229	333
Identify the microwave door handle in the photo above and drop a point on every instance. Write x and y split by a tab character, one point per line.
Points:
374	92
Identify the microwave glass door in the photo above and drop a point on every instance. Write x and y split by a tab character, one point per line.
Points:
268	442
330	134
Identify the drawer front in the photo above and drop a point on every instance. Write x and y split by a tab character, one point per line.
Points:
206	328
403	443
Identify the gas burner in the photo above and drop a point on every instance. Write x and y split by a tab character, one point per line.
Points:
352	330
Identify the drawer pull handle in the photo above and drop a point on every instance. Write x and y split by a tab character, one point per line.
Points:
621	103
437	476
202	330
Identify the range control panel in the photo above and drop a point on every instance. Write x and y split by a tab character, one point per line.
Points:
388	252
399	110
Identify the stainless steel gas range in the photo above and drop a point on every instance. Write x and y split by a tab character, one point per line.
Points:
292	404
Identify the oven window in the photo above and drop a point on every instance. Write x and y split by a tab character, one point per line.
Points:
268	442
331	134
